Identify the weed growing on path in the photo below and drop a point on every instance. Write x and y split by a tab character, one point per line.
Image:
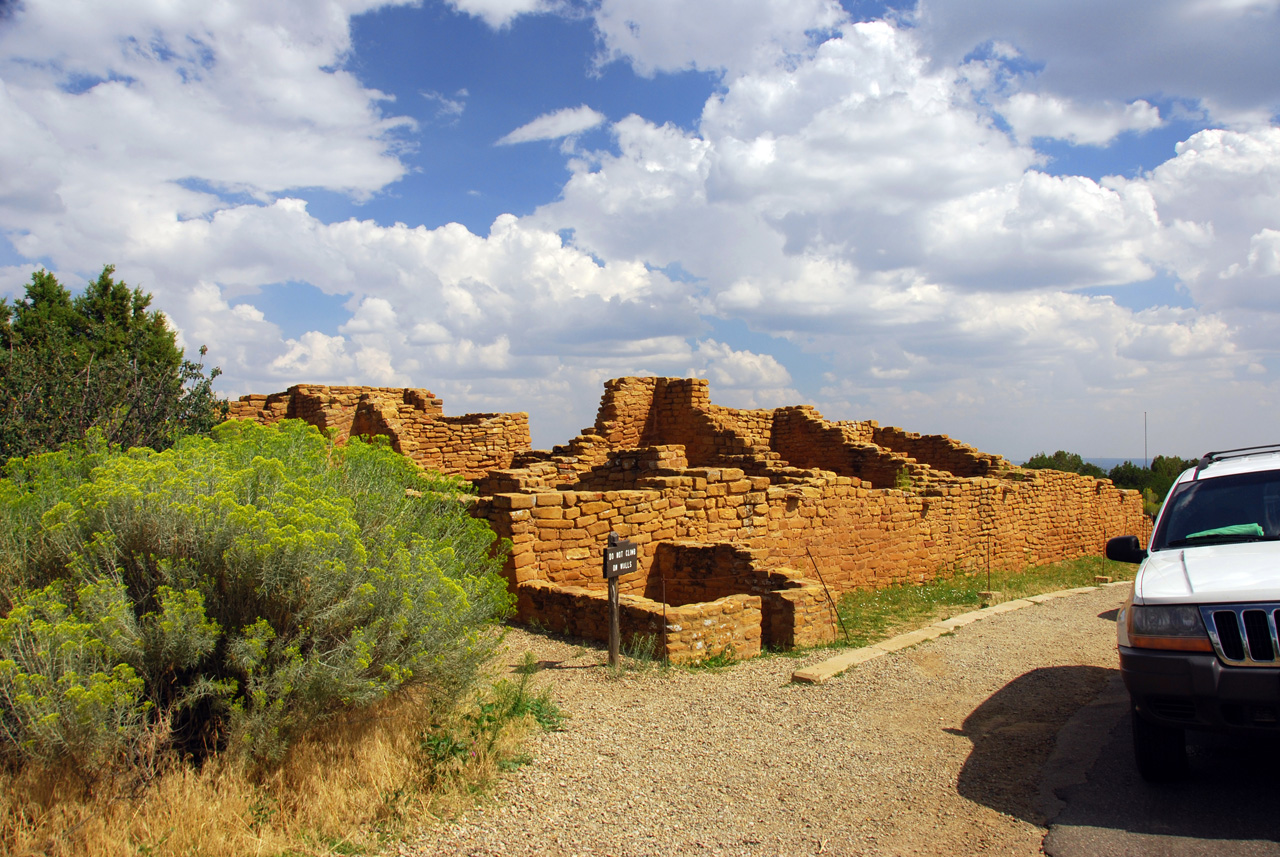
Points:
714	661
639	654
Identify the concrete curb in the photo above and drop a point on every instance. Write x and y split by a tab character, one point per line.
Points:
832	667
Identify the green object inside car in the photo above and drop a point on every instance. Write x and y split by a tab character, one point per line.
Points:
1231	530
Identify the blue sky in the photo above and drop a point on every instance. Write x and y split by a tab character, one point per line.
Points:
1024	225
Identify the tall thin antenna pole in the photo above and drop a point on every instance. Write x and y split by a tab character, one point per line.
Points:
1145	465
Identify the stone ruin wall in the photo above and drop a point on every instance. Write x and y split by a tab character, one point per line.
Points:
468	446
748	521
835	523
826	532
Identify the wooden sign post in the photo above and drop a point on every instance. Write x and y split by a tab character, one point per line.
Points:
619	559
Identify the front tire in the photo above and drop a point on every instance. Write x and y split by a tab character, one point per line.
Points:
1159	750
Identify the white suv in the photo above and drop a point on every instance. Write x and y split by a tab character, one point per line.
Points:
1198	639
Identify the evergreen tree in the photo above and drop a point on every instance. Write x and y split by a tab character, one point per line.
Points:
1165	469
102	360
1130	475
1068	462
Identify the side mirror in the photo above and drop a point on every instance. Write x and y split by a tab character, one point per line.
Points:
1125	549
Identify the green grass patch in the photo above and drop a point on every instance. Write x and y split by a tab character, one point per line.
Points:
482	736
870	616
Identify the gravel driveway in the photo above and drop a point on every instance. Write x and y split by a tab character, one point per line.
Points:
936	749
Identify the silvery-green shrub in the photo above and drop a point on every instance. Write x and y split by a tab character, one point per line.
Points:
232	591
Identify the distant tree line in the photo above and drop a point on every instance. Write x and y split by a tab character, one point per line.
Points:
1153	481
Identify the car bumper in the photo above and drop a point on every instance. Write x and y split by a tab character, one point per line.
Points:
1195	691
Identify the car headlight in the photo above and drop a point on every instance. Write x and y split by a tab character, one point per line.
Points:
1168	627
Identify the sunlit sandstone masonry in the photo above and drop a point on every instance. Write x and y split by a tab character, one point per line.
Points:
748	521
467	446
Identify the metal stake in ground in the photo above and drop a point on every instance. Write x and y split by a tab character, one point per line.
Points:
834	607
619	559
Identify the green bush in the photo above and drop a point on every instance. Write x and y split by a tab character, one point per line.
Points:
66	688
1068	462
232	591
99	360
1158	478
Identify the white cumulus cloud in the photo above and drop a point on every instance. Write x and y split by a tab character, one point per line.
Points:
553	126
500	13
1033	115
859	191
670	35
1219	54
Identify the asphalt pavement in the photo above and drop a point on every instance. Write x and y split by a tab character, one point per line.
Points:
1098	806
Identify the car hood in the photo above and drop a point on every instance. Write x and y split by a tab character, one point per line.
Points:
1210	574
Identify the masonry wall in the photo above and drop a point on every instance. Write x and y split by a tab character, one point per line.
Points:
678	411
665	411
795	609
413	420
938	451
805	440
868	538
685	634
749	522
840	534
686	571
857	537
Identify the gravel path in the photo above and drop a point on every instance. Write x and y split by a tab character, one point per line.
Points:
935	749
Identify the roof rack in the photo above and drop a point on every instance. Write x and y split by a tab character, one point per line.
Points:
1222	455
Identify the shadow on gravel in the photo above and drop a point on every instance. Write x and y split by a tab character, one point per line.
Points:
1226	806
561	665
1014	732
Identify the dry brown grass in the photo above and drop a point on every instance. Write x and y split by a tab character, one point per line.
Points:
345	789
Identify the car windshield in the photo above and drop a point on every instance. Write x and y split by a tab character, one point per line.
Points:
1237	508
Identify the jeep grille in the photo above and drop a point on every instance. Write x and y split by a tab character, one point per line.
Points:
1244	635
